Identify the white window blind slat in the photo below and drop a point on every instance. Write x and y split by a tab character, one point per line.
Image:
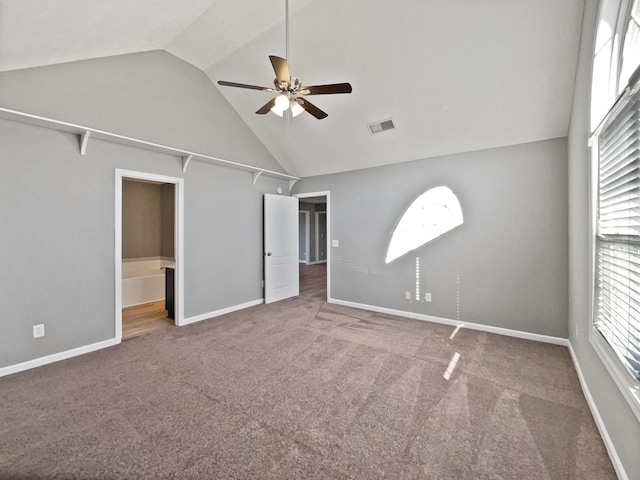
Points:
624	116
617	294
620	190
620	176
616	279
625	147
613	209
622	213
616	147
614	150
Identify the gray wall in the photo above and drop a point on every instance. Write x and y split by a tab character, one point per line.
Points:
152	96
621	424
148	218
141	220
57	217
302	240
167	222
321	236
506	266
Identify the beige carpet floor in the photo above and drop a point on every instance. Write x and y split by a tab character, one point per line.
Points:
303	389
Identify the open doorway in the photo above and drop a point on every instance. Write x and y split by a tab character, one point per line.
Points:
148	253
314	237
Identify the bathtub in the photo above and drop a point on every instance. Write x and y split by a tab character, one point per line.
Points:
143	280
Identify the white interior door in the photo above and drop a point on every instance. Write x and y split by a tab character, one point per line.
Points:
281	278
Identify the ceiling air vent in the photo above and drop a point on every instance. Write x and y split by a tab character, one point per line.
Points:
381	126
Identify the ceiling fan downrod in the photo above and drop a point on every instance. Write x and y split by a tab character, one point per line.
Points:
286	28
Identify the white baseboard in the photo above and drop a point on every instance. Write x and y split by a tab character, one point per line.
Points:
56	357
217	313
143	303
613	454
455	323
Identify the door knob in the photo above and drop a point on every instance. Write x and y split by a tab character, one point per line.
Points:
268	254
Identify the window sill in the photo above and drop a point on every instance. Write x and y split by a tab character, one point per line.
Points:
629	387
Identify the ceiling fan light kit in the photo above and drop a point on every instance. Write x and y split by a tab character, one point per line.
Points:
290	89
281	104
296	108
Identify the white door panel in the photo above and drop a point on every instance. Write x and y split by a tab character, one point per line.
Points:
281	247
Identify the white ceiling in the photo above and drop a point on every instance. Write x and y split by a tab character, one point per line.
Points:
455	75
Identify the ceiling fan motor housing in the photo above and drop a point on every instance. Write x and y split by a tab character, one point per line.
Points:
291	88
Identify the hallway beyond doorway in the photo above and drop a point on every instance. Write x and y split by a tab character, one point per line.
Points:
313	281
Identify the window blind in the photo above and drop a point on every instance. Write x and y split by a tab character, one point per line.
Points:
617	272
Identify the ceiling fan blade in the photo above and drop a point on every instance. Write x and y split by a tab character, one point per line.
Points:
281	67
266	107
244	85
312	109
327	89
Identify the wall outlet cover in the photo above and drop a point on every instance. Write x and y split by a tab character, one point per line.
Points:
38	331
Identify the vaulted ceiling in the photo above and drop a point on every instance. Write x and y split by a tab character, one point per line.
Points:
455	75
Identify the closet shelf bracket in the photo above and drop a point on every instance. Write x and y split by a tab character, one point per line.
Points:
84	141
256	176
185	162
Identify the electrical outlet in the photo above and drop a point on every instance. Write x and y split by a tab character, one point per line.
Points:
427	297
38	330
407	295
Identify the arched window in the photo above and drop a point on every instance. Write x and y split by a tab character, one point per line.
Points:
433	213
616	55
631	47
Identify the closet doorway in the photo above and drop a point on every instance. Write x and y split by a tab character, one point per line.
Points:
148	257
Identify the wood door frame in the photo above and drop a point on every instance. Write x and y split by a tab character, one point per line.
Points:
307	235
327	195
178	232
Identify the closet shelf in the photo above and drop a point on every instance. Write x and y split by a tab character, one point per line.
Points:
86	133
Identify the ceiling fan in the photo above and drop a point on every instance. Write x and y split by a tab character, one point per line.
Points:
290	90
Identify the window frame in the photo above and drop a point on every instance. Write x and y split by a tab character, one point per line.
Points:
626	383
